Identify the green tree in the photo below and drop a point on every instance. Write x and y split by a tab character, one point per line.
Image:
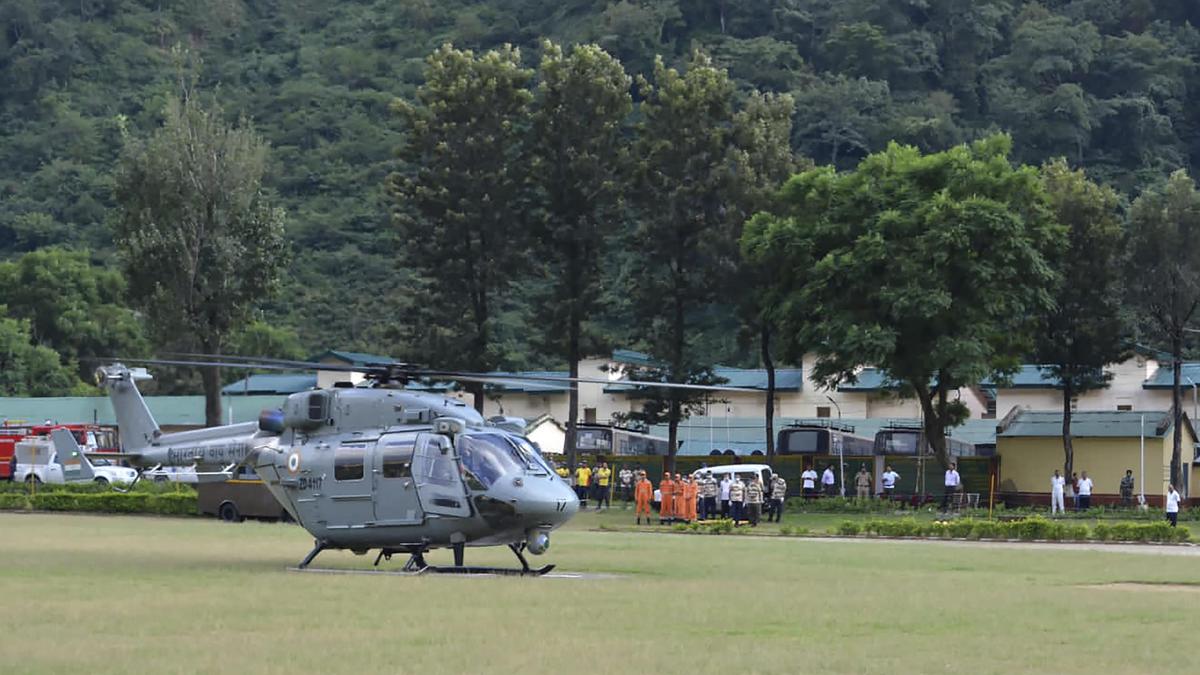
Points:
73	306
31	370
683	235
763	160
200	241
928	267
577	154
1085	330
1164	276
460	207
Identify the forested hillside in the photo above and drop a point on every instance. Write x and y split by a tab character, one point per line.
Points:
1111	85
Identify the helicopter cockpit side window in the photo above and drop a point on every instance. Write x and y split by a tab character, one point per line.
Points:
348	462
488	457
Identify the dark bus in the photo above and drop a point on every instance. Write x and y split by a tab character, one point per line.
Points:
597	439
900	438
241	497
816	438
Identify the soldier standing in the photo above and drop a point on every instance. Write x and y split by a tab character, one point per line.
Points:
737	494
1127	488
862	481
754	499
778	494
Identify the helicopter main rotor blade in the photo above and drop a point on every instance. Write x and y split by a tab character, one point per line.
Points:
401	370
514	377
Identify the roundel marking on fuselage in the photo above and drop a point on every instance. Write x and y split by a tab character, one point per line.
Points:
293	462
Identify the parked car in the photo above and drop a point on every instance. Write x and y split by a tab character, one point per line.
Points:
38	462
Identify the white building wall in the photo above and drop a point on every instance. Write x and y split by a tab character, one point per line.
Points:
1125	389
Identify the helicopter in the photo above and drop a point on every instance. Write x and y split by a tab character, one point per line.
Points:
369	467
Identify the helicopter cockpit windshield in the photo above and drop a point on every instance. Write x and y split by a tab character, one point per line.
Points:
489	457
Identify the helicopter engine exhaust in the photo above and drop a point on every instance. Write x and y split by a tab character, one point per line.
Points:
537	541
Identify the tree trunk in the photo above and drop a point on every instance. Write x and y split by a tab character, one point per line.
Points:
672	436
211	377
1176	407
1068	441
933	426
769	364
573	395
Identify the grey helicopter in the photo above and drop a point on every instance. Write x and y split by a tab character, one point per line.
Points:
369	467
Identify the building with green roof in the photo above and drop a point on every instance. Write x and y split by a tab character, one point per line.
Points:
1106	443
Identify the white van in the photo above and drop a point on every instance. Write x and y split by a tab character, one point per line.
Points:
745	472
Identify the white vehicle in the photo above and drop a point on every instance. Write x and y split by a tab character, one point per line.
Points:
40	460
177	474
745	472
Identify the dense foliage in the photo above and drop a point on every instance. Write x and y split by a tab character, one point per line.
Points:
1110	85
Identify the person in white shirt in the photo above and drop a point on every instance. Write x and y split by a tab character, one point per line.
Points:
888	480
1172	505
828	481
1058	483
1085	492
810	482
953	480
724	495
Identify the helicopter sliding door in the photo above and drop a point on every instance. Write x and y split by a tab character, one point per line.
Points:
395	490
439	481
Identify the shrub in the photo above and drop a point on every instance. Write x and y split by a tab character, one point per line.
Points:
13	502
848	528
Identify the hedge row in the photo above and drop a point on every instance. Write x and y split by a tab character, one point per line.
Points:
1026	529
168	503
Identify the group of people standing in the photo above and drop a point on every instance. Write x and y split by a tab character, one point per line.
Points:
685	498
595	483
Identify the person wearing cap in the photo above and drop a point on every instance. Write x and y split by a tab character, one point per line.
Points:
778	494
862	481
643	492
754	499
666	503
737	496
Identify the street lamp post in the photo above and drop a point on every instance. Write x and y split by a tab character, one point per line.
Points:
841	461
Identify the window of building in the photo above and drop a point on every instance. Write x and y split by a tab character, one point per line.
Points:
1074	404
823	411
990	413
589	415
348	463
1125	407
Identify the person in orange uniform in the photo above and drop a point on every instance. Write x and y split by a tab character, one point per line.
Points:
681	486
689	498
666	508
643	493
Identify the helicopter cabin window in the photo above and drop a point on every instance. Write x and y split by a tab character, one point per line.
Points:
397	461
348	463
318	403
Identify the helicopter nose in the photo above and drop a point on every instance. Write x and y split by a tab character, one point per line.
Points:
557	505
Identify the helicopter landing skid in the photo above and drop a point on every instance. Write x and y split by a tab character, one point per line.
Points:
416	564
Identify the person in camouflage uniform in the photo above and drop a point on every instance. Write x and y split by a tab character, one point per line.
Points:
778	494
1127	488
754	499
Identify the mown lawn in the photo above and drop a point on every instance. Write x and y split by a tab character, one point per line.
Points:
118	594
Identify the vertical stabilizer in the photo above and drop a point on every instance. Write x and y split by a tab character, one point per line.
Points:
136	425
75	464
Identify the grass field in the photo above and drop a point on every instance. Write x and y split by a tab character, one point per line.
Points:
94	594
